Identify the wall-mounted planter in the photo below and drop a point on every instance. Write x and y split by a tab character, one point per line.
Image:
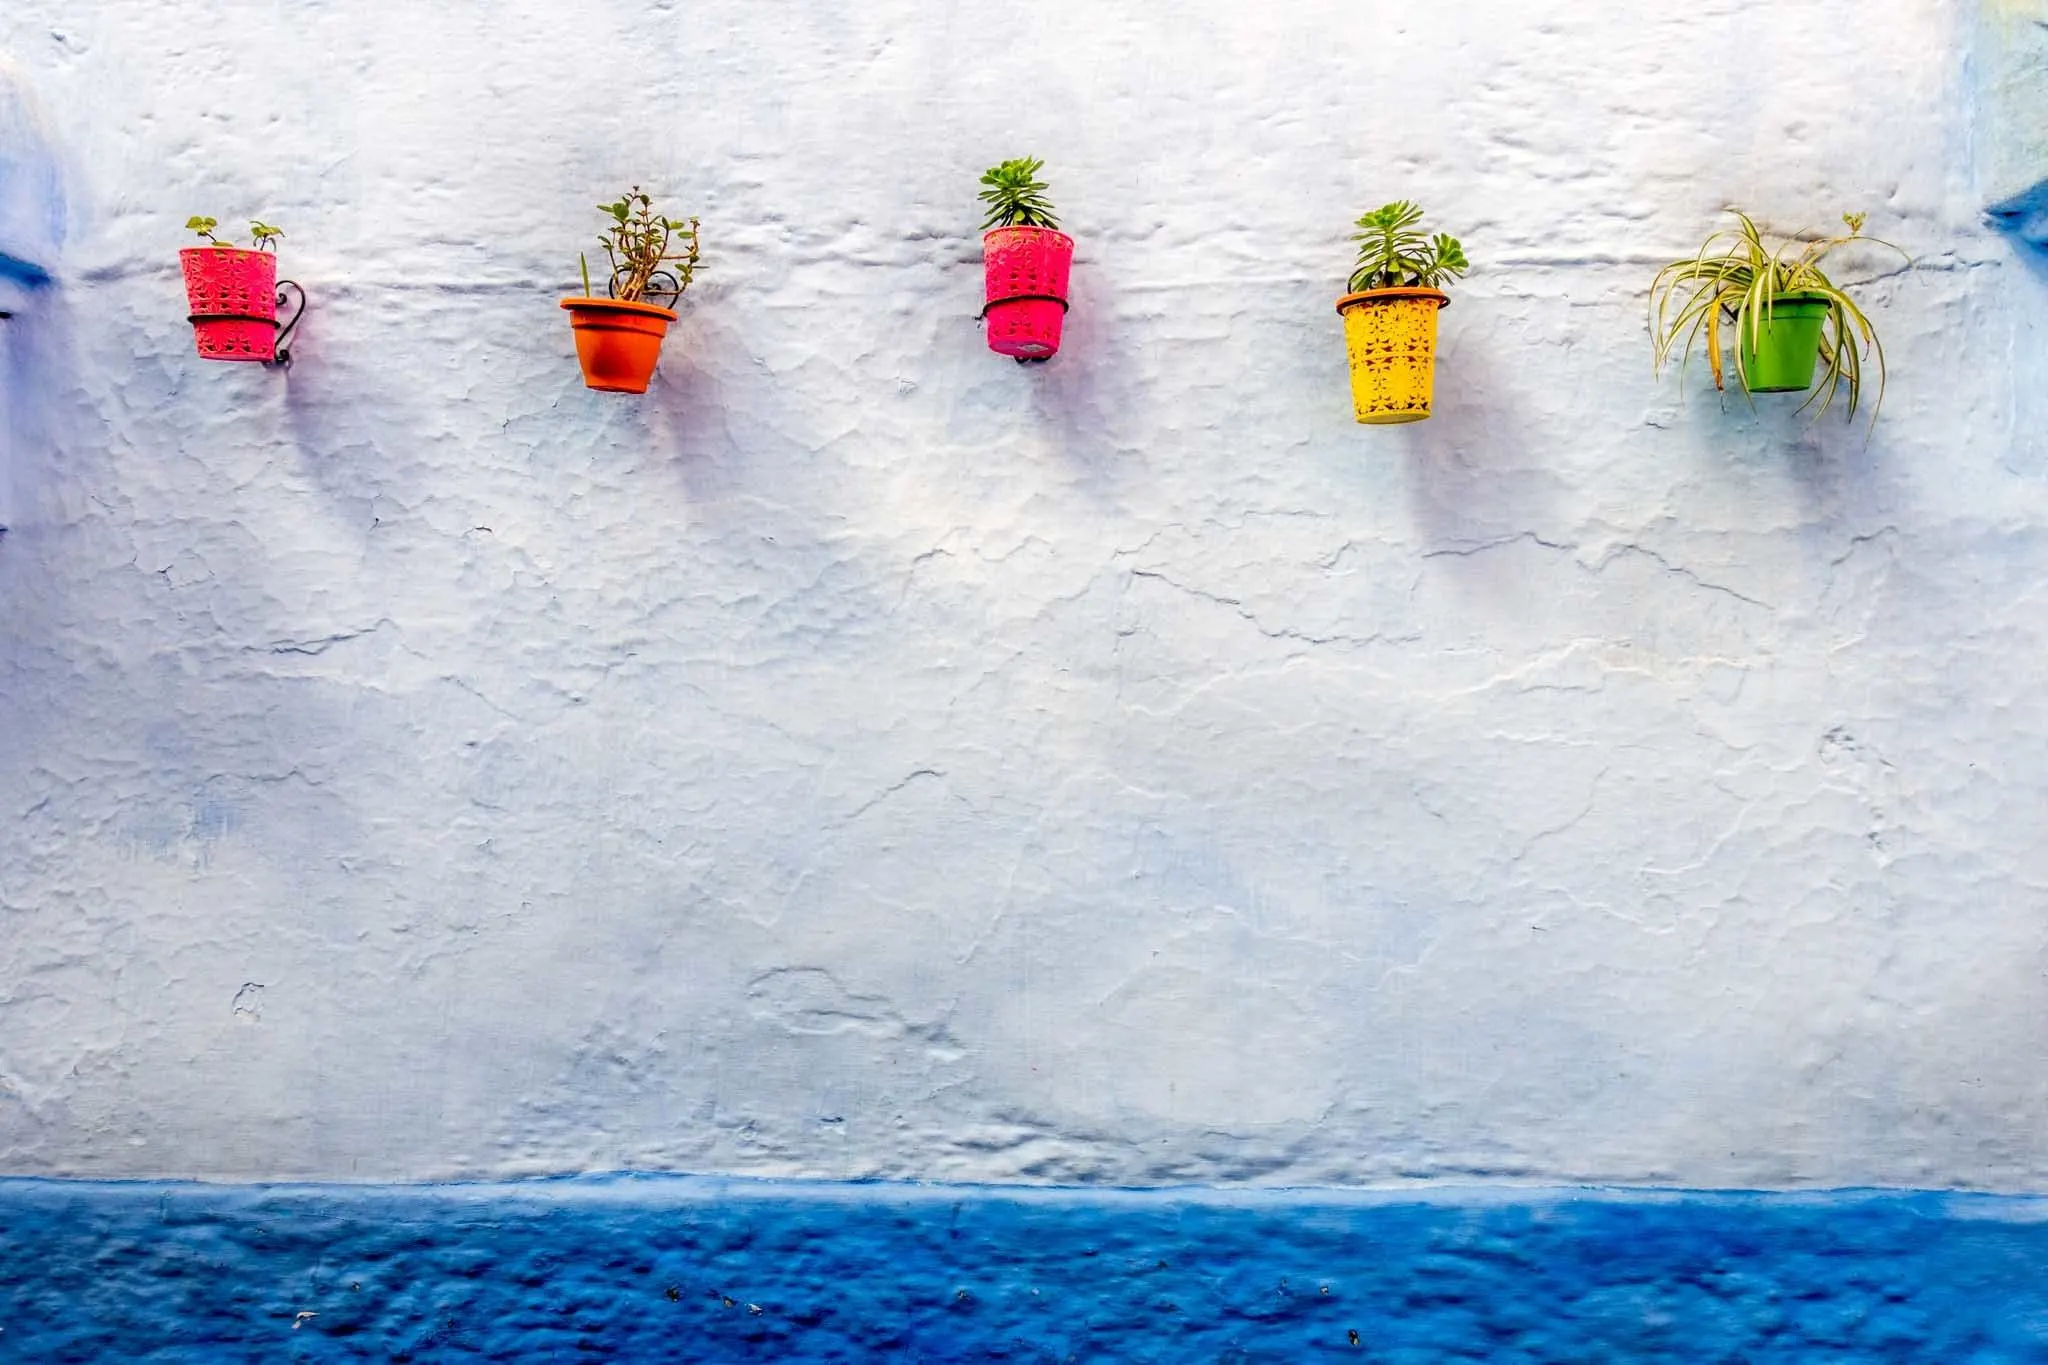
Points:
1390	313
234	296
1795	329
1782	353
1390	337
618	339
618	343
1025	271
1025	263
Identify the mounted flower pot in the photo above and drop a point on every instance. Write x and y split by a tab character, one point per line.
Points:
1390	336
1780	352
1789	317
1026	271
234	294
1025	261
1390	314
618	339
618	343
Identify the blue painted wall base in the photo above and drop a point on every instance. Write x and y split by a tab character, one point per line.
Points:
705	1270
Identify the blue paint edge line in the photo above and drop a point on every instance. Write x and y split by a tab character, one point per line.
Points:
699	1186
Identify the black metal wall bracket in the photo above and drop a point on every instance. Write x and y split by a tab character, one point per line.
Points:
285	329
1022	298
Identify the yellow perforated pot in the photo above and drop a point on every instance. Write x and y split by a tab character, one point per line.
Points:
1391	337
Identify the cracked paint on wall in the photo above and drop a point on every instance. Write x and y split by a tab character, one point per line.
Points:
863	757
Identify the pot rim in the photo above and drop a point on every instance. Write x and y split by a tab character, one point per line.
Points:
1364	296
1049	232
1797	296
590	305
225	251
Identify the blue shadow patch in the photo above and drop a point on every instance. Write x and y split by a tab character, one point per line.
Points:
32	215
26	273
2024	216
707	1270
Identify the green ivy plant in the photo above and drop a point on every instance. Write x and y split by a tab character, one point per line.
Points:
638	244
1393	253
263	234
1736	278
1016	196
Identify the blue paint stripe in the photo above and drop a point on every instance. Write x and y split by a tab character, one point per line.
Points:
22	272
714	1270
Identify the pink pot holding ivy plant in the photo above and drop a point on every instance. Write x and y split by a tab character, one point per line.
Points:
233	298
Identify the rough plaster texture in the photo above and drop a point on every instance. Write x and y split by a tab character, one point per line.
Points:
863	755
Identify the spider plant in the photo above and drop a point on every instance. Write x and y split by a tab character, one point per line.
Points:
1394	254
1016	196
1737	279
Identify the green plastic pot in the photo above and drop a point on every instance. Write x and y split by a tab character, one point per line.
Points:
1781	357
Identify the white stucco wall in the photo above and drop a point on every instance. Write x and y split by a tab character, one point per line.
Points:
867	756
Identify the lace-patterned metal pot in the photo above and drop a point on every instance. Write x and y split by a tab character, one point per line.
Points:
1026	272
1391	337
233	297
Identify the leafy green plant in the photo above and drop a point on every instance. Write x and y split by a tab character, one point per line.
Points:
262	234
1735	278
638	246
1394	254
1016	196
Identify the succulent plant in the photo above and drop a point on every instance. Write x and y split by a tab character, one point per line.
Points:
1394	254
1015	196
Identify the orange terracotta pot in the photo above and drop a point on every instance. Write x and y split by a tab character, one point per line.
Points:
618	343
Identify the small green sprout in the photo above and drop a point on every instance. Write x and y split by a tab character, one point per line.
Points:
262	234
